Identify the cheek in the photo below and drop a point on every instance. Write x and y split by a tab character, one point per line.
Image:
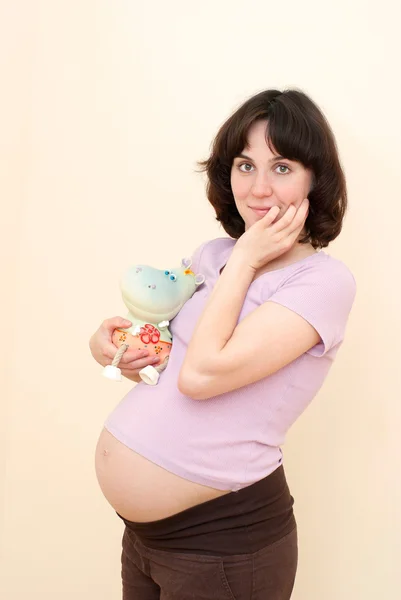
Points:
292	192
239	186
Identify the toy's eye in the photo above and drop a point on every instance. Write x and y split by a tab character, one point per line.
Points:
173	277
167	272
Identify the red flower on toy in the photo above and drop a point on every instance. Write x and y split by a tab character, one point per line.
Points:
149	334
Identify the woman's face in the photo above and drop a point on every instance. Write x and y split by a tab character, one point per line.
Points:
261	179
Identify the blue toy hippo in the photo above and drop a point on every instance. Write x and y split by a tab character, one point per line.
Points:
153	297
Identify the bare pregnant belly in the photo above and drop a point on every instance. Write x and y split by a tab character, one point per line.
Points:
140	490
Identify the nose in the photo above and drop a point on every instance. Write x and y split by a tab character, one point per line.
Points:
262	187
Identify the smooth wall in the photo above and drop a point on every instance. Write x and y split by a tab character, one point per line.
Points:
105	109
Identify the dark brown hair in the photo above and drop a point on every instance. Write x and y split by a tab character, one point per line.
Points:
298	131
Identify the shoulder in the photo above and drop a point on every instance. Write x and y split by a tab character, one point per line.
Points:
218	244
320	268
320	289
212	249
318	282
321	283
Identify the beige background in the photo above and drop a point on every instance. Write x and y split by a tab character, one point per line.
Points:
105	107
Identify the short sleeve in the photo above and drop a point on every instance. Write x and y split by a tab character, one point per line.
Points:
323	294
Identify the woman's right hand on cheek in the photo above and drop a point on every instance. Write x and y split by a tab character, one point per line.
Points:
269	238
103	350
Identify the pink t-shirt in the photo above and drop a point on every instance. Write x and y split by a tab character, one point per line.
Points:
233	440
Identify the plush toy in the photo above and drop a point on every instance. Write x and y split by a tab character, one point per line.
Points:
153	297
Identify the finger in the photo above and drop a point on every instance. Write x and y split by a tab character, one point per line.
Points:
140	364
135	371
109	350
293	218
269	216
132	355
302	213
114	322
285	220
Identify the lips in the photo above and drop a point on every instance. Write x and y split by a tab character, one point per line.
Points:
260	210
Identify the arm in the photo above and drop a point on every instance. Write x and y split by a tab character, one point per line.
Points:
223	356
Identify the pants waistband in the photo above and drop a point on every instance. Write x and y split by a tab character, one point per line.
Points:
239	522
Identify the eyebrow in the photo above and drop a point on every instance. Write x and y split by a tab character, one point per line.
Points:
274	159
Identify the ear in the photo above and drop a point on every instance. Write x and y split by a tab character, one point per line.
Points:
186	262
199	279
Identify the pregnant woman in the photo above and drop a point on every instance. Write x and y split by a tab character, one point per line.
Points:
193	466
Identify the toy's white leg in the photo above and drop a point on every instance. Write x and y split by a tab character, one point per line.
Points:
150	375
112	371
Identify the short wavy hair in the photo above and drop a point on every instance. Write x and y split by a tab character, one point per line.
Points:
297	130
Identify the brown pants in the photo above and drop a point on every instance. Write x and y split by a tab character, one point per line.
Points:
241	546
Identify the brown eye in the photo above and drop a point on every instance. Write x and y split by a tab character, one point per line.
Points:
245	169
283	167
